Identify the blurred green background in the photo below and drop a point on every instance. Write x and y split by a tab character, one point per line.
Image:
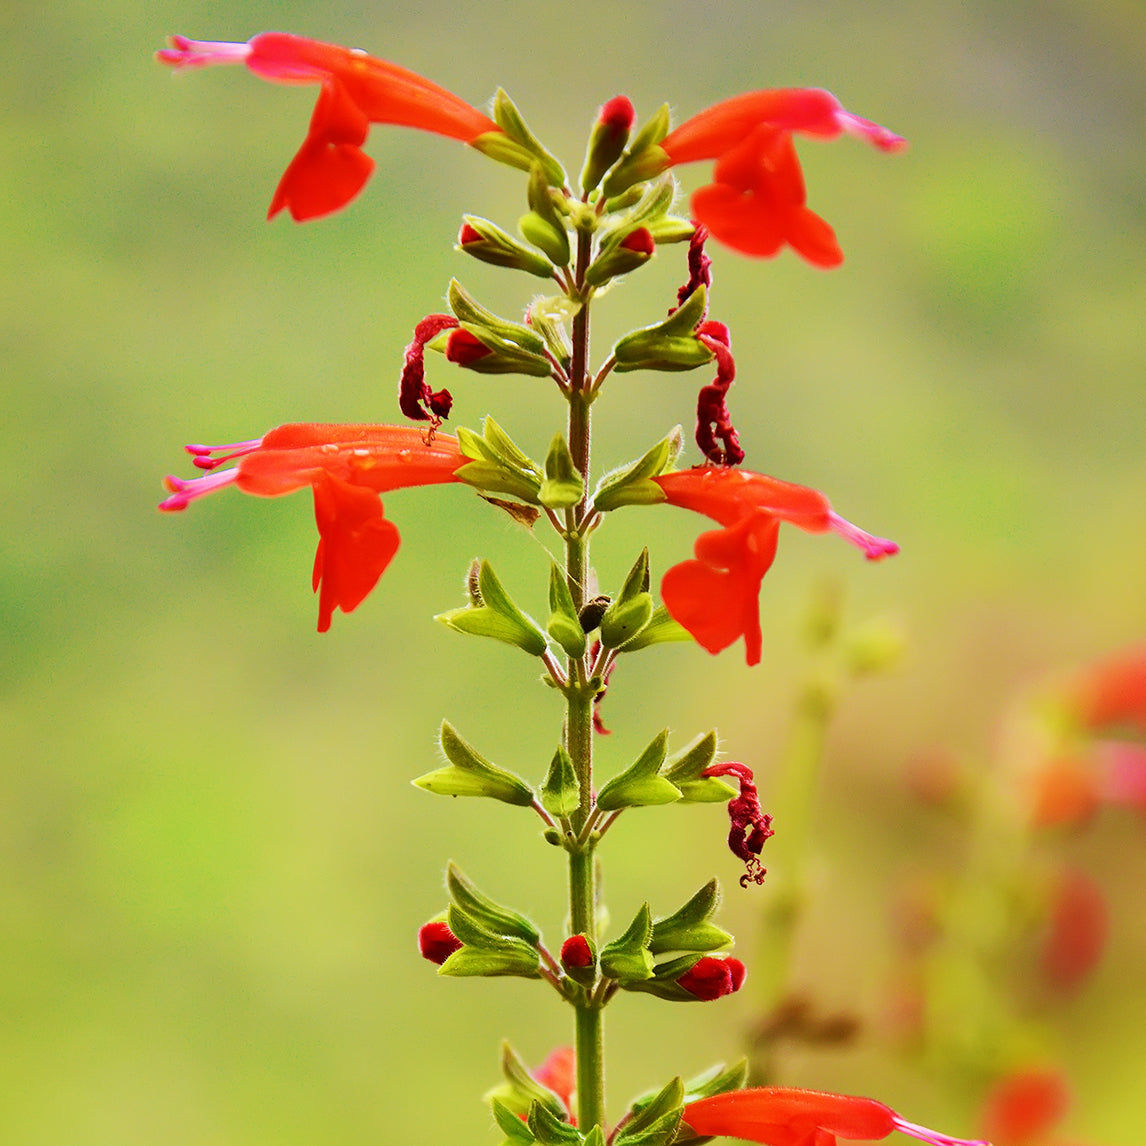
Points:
212	866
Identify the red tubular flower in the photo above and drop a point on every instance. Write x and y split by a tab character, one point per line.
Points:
756	203
715	596
780	1116
357	90
347	466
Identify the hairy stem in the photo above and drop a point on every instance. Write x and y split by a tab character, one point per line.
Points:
579	717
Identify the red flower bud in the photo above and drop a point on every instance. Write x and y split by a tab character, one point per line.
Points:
437	942
576	952
639	241
618	114
468	235
712	978
464	347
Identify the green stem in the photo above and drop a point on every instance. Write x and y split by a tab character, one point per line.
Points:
579	718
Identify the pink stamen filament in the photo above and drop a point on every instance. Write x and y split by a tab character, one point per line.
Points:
185	53
933	1137
184	492
204	461
873	547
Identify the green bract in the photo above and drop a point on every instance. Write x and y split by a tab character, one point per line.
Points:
469	774
495	615
640	784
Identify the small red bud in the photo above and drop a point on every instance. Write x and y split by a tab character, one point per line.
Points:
463	347
437	942
712	978
639	241
468	235
618	114
576	952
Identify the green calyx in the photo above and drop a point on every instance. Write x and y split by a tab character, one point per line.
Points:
689	928
513	347
492	613
501	249
543	226
564	624
633	484
563	485
631	609
497	464
485	953
519	1090
628	959
509	119
470	774
641	785
685	769
486	914
643	160
669	344
657	1120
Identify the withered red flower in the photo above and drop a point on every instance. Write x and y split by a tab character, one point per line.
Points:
715	596
757	202
347	466
782	1116
357	90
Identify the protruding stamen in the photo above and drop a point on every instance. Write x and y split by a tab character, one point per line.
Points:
184	492
874	133
185	53
933	1137
204	460
874	548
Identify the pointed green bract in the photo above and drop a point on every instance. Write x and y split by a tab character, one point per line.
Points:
484	912
470	313
496	617
631	609
515	1131
485	953
508	118
633	484
667	345
551	1129
655	1122
563	485
545	228
640	785
660	629
564	624
500	249
644	159
685	769
689	928
469	774
561	793
520	1090
627	959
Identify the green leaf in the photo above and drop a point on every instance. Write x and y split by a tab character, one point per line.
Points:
561	793
486	913
685	767
469	774
520	1090
640	785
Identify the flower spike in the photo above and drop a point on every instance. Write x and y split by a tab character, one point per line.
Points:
357	90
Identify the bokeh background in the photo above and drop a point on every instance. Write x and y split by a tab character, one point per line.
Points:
212	866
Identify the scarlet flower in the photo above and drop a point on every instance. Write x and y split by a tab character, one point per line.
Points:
715	596
347	466
757	202
357	90
781	1116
